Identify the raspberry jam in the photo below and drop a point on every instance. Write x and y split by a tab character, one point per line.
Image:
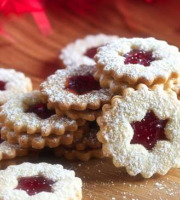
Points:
35	184
40	110
139	57
148	131
2	85
82	84
91	52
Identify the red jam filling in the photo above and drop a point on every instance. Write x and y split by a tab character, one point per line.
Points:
40	110
35	184
91	52
2	85
82	84
139	57
148	131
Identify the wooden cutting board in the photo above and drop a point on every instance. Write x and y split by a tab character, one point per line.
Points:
37	57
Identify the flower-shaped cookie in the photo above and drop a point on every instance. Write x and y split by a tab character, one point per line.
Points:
139	60
82	51
75	89
39	181
141	130
36	141
12	83
9	151
27	113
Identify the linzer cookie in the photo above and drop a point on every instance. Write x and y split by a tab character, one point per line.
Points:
139	60
141	130
39	181
36	141
83	148
75	89
8	151
12	83
27	113
89	139
82	51
89	115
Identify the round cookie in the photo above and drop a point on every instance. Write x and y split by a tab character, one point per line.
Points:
39	181
74	89
28	113
82	51
140	130
12	83
139	60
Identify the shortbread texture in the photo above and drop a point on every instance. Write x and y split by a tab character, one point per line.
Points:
110	61
73	54
66	186
36	141
116	131
16	82
10	151
57	96
13	115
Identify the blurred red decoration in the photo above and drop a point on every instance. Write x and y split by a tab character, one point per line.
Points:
35	7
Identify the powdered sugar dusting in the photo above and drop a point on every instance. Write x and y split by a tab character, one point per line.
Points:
117	131
54	86
13	113
8	151
111	58
16	82
62	178
73	54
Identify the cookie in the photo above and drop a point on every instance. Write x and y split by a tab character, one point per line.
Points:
139	60
27	113
141	130
75	89
89	139
39	181
12	83
88	115
82	51
36	141
108	82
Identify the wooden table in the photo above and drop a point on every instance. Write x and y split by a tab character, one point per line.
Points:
36	56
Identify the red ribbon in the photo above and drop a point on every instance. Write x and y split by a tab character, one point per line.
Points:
35	7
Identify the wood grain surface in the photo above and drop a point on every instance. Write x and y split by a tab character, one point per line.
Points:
37	57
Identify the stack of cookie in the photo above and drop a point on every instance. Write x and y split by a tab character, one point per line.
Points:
12	83
123	104
61	116
74	92
140	128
